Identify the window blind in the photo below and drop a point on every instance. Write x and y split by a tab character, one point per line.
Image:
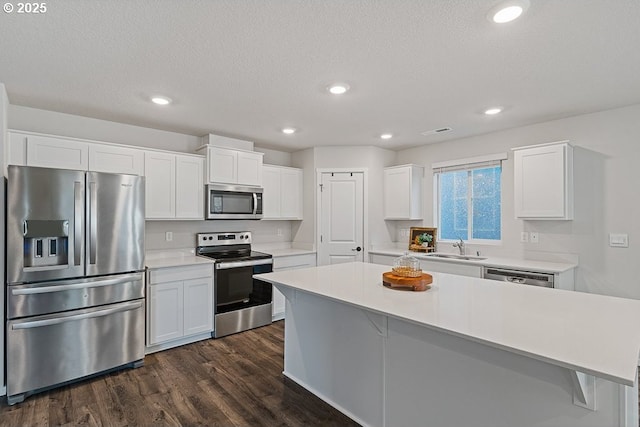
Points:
491	160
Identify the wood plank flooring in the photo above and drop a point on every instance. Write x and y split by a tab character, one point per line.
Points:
233	381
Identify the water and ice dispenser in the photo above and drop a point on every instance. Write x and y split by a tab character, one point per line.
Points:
46	243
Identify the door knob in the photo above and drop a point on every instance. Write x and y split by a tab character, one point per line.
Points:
357	249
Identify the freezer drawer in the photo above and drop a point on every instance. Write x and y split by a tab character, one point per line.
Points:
46	350
56	296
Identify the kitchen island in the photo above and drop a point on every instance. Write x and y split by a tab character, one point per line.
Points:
467	351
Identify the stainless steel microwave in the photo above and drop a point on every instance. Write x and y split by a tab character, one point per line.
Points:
233	202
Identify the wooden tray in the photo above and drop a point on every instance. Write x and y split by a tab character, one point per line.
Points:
417	284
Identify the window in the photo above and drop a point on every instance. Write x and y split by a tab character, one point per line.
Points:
467	199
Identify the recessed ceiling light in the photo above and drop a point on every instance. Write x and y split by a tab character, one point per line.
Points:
161	100
508	11
492	111
386	136
288	131
338	88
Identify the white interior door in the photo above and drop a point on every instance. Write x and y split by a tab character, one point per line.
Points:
342	218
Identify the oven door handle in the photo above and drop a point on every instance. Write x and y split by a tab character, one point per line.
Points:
55	321
238	264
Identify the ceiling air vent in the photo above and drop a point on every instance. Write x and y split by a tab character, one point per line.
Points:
436	131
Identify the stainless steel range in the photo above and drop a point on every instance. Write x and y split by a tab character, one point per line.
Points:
240	301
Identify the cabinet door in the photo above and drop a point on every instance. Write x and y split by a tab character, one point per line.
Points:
271	192
60	153
541	182
160	180
397	186
249	168
223	165
278	306
113	159
165	312
291	193
382	259
451	268
198	306
189	187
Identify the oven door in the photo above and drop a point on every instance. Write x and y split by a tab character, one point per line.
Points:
233	202
235	287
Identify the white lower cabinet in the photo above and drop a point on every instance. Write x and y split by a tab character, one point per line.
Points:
451	268
291	262
435	266
179	306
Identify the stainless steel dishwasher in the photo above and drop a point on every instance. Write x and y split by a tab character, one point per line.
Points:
518	277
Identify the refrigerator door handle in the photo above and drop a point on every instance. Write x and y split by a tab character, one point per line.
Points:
58	320
77	222
84	285
93	223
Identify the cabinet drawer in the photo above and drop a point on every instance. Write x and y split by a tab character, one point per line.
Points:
451	268
294	261
382	259
171	274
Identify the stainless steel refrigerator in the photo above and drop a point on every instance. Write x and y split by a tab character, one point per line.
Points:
75	281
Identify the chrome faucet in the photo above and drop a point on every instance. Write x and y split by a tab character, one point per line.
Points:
460	246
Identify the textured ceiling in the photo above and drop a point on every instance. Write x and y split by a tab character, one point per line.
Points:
246	68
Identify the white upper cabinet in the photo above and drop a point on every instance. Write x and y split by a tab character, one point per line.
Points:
115	159
160	182
27	149
189	187
229	166
174	186
223	165
403	192
49	152
282	196
543	181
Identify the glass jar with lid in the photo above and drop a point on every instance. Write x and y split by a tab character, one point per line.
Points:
407	266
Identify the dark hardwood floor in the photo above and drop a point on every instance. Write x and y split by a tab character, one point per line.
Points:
233	381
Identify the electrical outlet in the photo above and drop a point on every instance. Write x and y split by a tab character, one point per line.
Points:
524	237
168	236
279	232
619	240
533	237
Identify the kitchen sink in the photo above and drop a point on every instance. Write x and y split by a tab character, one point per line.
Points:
454	256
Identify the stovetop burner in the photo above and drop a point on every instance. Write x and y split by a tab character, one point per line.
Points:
232	246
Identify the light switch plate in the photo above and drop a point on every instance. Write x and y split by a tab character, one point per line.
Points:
618	240
533	237
168	236
524	237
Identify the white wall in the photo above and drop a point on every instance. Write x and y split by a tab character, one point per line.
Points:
51	122
607	174
303	232
184	232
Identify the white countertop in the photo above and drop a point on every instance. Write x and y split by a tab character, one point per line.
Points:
490	261
594	334
277	253
173	258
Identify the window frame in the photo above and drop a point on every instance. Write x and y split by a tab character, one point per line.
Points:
468	165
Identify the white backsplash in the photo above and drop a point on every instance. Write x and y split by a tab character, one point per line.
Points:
184	232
